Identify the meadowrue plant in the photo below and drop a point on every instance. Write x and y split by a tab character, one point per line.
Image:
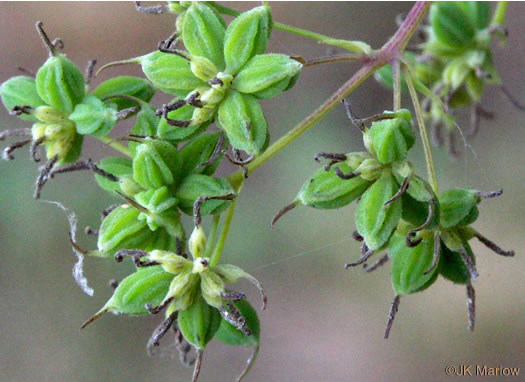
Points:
217	74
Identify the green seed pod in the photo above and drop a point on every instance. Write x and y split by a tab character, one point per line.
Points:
452	267
20	91
241	117
458	207
199	323
60	84
47	114
160	204
390	139
125	85
326	190
122	229
146	286
116	166
451	26
169	72
266	75
198	151
375	222
203	33
94	117
230	335
409	265
246	36
195	186
156	163
178	134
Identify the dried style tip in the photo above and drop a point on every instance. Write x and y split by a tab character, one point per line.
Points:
234	296
43	177
430	217
216	151
365	255
171	107
467	260
490	194
19	110
34	148
157	309
165	46
357	237
109	210
136	255
123	114
437	250
408	240
193	100
518	105
198	363
6	154
84	165
159	332
493	246
394	307
152	9
234	318
399	193
334	158
343	176
50	46
197	218
184	348
355	120
383	260
281	212
471	306
90	69
238	161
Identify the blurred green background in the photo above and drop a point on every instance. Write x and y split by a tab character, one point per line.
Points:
322	323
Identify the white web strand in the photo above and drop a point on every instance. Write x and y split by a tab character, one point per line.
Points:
286	259
78	272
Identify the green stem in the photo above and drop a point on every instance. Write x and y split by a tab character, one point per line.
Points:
211	237
224	232
115	145
422	131
354	46
499	14
396	79
336	58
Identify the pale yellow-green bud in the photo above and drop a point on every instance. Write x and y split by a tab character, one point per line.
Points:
370	169
203	68
49	115
197	242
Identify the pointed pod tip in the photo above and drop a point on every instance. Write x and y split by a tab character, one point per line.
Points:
282	211
94	317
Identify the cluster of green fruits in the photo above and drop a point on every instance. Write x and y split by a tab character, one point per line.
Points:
425	235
